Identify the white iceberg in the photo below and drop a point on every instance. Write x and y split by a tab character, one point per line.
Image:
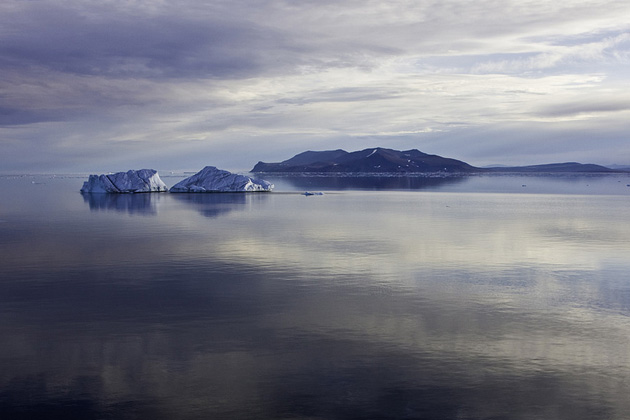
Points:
211	179
143	180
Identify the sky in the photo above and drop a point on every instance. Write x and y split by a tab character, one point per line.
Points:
109	85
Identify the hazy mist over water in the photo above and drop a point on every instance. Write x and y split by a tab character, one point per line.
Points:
503	297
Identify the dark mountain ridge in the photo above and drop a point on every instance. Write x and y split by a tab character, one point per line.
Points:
556	167
381	160
374	160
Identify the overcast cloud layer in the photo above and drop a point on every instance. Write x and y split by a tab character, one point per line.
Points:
115	85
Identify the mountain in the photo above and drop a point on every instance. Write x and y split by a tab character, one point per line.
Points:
554	168
374	160
309	157
381	160
625	168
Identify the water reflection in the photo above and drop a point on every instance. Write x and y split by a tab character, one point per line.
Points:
350	305
216	204
368	182
208	204
562	183
143	204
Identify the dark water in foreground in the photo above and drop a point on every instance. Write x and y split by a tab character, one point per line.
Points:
462	299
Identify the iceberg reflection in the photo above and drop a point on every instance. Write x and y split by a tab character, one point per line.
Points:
213	205
142	204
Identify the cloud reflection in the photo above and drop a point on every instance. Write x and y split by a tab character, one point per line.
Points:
351	305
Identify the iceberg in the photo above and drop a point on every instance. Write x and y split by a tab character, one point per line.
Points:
211	179
143	180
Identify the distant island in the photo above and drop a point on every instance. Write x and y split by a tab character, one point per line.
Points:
381	160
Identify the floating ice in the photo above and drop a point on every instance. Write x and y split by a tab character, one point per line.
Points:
143	180
211	179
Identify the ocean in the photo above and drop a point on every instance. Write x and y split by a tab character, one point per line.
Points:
478	297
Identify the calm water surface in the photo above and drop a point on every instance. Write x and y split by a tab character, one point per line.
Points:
472	298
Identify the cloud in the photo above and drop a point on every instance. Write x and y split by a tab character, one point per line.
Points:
63	39
587	106
195	78
607	51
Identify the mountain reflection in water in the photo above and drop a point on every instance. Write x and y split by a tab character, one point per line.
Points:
357	304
